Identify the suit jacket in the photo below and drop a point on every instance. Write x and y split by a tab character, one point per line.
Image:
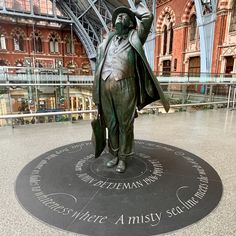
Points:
148	87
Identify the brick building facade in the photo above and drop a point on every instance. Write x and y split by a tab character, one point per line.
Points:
37	43
177	38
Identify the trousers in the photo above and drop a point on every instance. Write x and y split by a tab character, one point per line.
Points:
119	100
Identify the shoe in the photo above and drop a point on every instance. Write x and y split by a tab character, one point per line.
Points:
121	167
112	162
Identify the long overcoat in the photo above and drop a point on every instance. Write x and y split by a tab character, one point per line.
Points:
148	87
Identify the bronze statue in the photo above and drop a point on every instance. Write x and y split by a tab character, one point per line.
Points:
124	80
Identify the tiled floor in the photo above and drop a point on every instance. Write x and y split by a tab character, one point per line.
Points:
210	135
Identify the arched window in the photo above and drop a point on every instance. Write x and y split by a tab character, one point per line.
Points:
171	38
164	39
233	19
37	43
193	28
2	41
53	44
18	42
69	46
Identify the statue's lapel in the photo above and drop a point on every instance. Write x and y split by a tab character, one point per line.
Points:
106	42
136	43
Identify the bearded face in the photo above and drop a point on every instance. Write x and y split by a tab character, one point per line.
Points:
123	23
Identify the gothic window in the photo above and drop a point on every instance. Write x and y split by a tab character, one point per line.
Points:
37	43
69	46
233	19
53	44
167	35
18	42
193	28
164	40
171	38
2	41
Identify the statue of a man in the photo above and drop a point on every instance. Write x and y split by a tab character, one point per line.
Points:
124	80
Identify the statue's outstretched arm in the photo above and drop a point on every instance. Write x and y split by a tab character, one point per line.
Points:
145	17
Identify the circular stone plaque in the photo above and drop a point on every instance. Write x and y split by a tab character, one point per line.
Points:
164	188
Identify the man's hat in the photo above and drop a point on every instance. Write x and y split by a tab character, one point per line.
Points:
119	10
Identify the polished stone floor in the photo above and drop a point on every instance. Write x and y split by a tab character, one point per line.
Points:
210	135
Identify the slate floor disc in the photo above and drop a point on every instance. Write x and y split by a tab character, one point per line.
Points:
164	189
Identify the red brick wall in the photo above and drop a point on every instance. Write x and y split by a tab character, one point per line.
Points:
179	10
12	56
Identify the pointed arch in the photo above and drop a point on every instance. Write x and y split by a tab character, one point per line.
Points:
188	8
36	41
18	37
54	40
167	10
55	34
20	30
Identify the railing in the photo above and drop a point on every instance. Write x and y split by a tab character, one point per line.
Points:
33	75
195	77
21	119
39	95
63	75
